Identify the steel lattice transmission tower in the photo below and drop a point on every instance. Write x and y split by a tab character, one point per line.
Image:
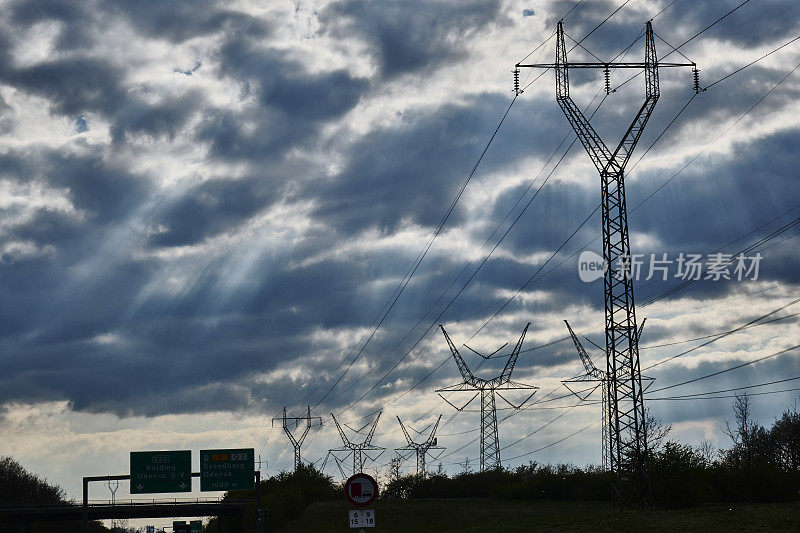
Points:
421	449
297	442
594	374
488	389
628	453
357	449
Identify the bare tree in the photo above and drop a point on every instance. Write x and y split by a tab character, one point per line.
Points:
655	430
465	466
742	432
708	451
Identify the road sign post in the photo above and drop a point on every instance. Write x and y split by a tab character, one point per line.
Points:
161	471
361	490
231	469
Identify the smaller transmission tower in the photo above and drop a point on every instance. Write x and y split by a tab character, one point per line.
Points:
113	487
359	450
488	389
421	449
594	374
297	442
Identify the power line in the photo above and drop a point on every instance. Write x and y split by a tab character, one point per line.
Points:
598	26
466	283
673	121
731	395
684	107
427	248
560	407
729	369
723	335
429	374
699	395
669	125
565	15
662	296
408	276
687	41
750	64
718	334
559	441
501	239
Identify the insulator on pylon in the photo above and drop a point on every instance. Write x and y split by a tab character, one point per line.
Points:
696	74
607	75
516	82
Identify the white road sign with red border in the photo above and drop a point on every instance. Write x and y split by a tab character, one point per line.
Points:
361	490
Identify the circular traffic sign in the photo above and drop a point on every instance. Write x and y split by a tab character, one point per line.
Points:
361	490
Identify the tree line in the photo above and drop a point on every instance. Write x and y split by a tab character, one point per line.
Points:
761	465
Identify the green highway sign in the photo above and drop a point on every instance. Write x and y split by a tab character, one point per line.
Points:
227	469
196	526
161	472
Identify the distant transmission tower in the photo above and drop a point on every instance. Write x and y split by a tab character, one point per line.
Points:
113	487
421	449
628	454
297	442
359	451
488	389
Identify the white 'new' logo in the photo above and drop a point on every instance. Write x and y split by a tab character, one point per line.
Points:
590	266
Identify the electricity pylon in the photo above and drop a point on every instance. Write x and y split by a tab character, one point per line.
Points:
421	449
357	449
296	442
628	453
594	374
488	389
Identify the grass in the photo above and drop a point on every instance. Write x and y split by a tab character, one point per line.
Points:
517	516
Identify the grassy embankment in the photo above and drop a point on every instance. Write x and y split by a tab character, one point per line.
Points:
517	516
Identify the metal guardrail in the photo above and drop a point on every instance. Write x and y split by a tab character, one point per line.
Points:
154	501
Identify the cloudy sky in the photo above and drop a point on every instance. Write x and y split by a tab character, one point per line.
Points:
210	211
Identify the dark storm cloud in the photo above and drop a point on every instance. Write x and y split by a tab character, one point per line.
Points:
784	365
87	82
175	21
210	208
412	40
171	348
284	84
78	85
179	20
294	103
105	193
712	206
751	25
28	12
109	342
164	118
77	18
73	85
411	169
